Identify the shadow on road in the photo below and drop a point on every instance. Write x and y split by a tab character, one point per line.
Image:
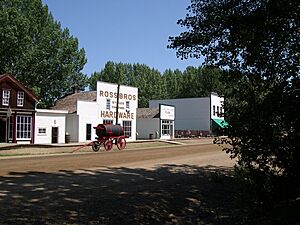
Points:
169	194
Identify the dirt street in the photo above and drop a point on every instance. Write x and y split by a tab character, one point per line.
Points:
178	185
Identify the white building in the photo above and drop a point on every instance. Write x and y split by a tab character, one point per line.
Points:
88	109
156	123
50	126
199	116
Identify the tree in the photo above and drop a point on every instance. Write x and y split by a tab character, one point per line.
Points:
35	49
258	43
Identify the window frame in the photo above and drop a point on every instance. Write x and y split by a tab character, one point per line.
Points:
127	127
23	127
42	133
20	101
107	121
165	127
108	104
5	97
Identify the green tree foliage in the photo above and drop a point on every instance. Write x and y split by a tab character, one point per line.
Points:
258	43
35	49
193	82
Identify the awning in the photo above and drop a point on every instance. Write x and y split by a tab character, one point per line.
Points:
220	123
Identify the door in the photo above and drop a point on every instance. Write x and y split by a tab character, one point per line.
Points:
2	130
54	135
88	131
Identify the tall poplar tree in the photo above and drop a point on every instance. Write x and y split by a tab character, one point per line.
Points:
34	48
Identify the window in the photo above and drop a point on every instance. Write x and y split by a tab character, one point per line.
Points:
107	121
214	110
127	105
165	127
20	98
24	127
218	113
108	104
88	131
127	128
5	97
42	131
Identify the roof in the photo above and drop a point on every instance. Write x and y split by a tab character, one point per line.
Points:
69	102
19	84
147	113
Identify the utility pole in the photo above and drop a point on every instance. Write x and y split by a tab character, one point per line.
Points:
117	108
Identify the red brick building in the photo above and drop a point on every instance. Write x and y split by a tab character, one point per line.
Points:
17	111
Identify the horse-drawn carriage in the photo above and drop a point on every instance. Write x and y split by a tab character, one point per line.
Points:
107	135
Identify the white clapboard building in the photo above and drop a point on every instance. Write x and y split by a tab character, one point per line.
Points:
88	109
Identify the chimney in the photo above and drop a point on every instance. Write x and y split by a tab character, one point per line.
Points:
75	89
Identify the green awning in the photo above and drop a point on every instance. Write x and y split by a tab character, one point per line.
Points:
219	123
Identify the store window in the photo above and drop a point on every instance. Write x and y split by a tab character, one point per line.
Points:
107	121
127	128
24	124
108	104
5	97
42	131
165	127
20	98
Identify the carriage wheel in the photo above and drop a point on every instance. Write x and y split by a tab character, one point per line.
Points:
108	145
96	146
121	143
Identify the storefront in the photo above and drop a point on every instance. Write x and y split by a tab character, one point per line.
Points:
156	123
88	109
196	116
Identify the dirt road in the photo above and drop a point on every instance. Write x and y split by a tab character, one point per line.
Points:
178	185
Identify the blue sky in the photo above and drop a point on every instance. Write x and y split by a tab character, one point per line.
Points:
127	31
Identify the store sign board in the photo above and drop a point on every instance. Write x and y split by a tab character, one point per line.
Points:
167	112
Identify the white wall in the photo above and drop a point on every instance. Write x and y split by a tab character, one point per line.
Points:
47	119
190	113
127	94
147	126
217	102
88	113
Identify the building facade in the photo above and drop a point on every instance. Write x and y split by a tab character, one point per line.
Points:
88	109
17	111
197	116
156	123
50	126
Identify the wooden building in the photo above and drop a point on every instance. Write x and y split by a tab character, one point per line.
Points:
17	111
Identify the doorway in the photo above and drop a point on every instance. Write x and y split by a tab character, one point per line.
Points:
2	130
54	136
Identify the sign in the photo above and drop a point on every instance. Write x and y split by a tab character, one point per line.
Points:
167	112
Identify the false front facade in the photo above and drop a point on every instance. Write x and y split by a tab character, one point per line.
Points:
88	109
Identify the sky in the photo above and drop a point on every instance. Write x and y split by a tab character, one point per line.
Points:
126	31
